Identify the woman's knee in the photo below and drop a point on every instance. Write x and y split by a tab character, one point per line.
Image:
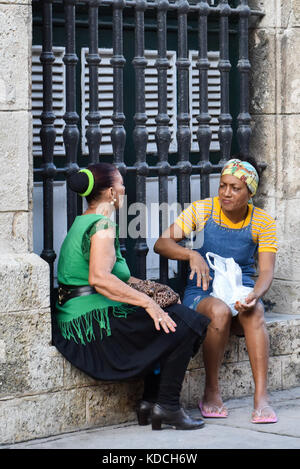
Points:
217	311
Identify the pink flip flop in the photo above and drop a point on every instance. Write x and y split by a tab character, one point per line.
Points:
221	412
257	416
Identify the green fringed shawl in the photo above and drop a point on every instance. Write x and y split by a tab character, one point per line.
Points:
82	327
76	318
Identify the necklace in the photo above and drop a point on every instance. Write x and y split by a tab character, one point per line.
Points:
220	221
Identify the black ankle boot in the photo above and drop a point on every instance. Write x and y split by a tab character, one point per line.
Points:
178	419
144	412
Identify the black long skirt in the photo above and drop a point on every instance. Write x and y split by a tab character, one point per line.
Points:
134	347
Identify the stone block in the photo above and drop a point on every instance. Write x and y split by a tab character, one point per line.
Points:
289	14
242	350
288	45
288	153
17	2
288	222
232	350
275	141
15	56
291	371
112	403
278	13
195	387
75	377
287	267
278	208
274	373
14	232
262	83
236	380
196	361
286	213
268	7
288	259
29	364
24	283
284	296
48	414
230	355
284	337
263	147
42	415
15	150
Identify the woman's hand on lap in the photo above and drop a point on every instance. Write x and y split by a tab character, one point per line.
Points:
200	268
160	317
248	304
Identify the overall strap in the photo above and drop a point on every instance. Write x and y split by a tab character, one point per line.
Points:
212	208
252	214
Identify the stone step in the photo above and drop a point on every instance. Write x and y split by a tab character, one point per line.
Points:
59	398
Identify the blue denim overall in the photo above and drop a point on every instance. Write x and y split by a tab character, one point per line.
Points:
226	242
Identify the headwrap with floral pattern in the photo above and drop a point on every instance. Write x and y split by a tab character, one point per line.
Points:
243	171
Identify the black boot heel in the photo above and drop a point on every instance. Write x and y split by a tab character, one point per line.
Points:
156	423
144	412
143	418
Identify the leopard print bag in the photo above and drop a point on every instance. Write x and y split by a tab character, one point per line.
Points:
163	295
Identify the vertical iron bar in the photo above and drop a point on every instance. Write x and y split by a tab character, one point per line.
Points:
204	131
93	132
244	66
225	130
118	133
71	132
162	134
140	133
48	135
183	116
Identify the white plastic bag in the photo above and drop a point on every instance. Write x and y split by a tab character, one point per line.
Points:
227	284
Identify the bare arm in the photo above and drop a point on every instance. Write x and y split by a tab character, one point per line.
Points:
102	260
266	265
167	246
133	280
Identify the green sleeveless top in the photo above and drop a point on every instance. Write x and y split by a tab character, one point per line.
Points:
75	317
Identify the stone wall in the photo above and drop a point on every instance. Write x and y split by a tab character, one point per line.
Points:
40	393
24	285
275	109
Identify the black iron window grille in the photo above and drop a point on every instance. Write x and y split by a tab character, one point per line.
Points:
200	134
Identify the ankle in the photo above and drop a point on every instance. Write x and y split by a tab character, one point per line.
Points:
260	400
211	392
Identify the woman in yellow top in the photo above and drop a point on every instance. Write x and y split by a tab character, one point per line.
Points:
230	226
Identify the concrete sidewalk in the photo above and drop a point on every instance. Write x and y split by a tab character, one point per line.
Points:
235	432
